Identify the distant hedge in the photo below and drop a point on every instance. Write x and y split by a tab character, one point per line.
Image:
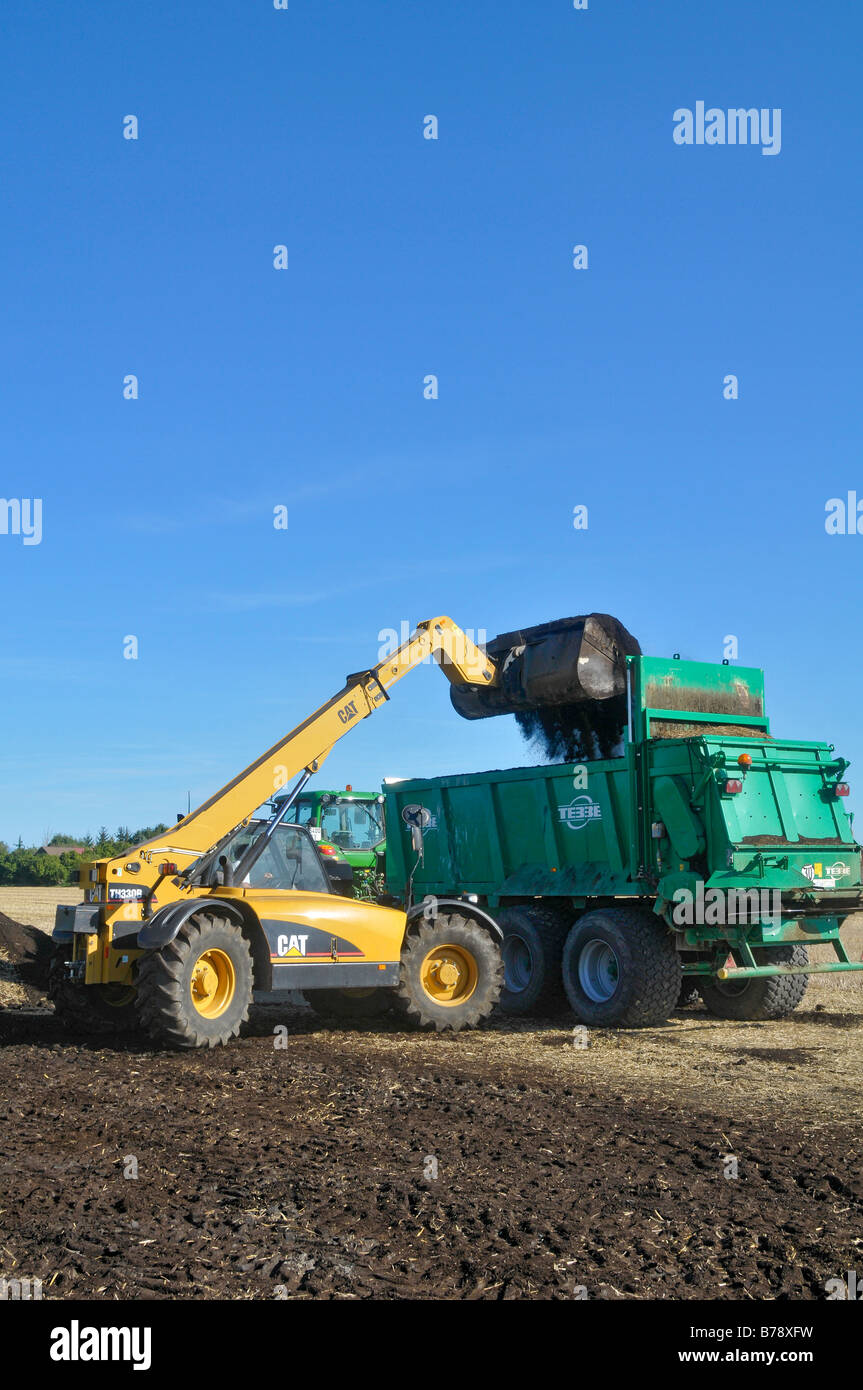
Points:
33	868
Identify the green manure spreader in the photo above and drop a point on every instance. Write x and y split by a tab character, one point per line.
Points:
708	856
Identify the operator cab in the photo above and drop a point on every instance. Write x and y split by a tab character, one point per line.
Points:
289	859
272	854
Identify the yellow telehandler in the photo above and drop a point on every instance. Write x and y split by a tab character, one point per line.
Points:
178	936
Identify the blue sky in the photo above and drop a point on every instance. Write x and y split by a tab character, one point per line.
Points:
304	387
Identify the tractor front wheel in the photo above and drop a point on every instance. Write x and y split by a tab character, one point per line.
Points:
451	974
197	990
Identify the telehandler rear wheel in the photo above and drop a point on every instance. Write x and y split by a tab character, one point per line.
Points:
349	1003
766	996
451	974
89	1008
197	990
620	969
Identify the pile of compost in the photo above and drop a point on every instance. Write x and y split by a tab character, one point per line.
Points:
25	954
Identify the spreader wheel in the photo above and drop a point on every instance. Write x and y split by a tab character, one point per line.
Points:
533	937
765	996
620	969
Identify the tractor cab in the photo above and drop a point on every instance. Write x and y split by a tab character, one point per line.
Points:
347	825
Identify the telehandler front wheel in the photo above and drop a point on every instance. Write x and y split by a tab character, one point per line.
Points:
197	990
765	996
451	974
620	969
89	1008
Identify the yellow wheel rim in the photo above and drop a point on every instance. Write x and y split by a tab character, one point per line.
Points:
213	984
449	974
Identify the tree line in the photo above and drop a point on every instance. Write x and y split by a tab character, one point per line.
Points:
29	866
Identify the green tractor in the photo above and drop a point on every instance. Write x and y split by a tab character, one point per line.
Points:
349	826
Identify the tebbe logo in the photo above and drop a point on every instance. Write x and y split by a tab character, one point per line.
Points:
817	872
579	811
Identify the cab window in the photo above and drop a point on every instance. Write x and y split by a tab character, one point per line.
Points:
300	813
352	824
289	860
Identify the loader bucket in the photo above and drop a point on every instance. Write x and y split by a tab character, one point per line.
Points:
567	662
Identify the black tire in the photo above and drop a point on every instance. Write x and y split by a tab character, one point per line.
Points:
620	969
349	1003
532	951
91	1009
769	996
167	978
459	954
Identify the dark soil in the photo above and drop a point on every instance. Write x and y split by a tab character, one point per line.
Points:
309	1172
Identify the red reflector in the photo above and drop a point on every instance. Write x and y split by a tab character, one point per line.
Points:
843	789
733	786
